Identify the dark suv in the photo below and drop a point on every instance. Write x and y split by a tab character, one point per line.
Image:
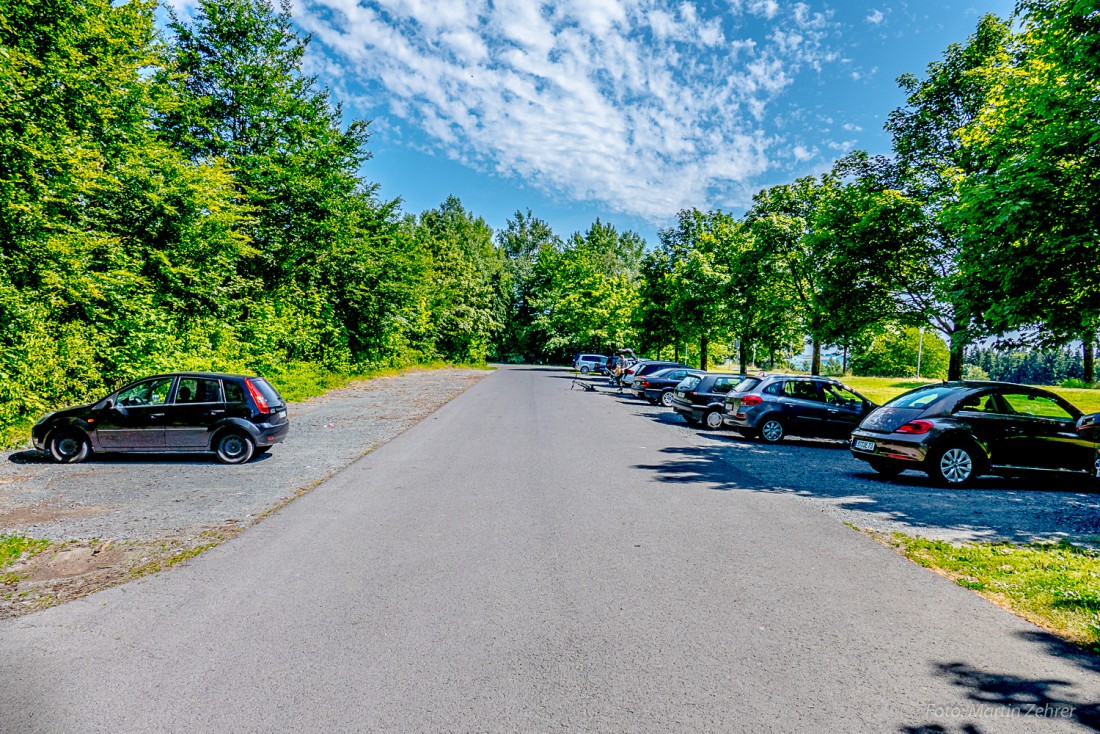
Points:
233	416
774	406
699	398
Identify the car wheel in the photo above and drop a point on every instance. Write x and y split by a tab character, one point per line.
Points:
954	466
886	468
713	420
584	370
666	398
234	448
773	430
68	447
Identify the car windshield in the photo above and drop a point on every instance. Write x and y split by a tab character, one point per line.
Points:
921	397
747	384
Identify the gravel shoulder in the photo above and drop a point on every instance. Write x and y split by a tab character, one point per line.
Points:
116	517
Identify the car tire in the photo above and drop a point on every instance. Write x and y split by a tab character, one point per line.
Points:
886	468
234	447
68	447
712	421
954	465
666	398
585	370
772	430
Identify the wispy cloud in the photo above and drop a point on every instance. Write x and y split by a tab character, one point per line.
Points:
646	105
875	17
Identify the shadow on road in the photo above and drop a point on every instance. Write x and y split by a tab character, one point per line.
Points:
1001	696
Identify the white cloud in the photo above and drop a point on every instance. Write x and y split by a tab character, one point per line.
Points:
875	17
852	128
649	106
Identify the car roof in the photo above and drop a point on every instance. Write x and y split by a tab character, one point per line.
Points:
209	375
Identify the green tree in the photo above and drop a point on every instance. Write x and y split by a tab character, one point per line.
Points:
1031	248
894	353
468	291
521	240
587	292
933	158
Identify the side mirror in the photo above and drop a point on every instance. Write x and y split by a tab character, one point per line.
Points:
108	404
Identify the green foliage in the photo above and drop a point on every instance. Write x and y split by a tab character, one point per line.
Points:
974	372
1030	247
586	292
894	354
1028	366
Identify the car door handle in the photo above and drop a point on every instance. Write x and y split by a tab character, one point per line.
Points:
214	412
156	415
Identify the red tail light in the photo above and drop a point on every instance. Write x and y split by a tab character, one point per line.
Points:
916	427
752	400
643	383
261	401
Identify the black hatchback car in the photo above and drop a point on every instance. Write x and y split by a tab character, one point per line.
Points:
772	407
657	387
699	398
957	431
233	416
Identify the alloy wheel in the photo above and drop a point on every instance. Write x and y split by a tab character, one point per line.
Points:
956	466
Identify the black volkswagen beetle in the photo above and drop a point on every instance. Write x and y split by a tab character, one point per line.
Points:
957	431
233	416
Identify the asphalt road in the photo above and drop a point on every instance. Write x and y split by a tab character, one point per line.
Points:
535	559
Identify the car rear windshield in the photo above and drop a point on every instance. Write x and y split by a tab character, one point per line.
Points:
270	394
747	384
920	398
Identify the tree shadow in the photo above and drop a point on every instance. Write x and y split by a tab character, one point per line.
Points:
1004	696
993	510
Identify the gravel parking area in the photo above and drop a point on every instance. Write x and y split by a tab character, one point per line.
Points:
113	512
1024	510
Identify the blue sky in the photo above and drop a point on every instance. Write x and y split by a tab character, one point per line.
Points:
626	110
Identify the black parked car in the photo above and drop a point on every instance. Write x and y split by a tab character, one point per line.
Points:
233	416
699	398
648	367
774	406
957	431
658	386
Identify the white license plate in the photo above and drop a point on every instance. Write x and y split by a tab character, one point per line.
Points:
865	445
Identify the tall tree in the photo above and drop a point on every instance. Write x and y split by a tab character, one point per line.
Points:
521	240
933	158
1031	248
468	293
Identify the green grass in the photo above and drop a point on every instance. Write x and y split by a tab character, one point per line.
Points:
1055	586
14	548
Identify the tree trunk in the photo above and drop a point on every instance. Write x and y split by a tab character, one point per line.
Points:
703	341
815	362
744	357
844	362
1088	349
676	352
955	366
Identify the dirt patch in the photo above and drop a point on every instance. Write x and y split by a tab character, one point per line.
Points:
68	571
18	517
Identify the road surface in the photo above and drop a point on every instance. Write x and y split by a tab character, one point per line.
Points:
535	559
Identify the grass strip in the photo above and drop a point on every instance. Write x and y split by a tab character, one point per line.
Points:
1053	585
